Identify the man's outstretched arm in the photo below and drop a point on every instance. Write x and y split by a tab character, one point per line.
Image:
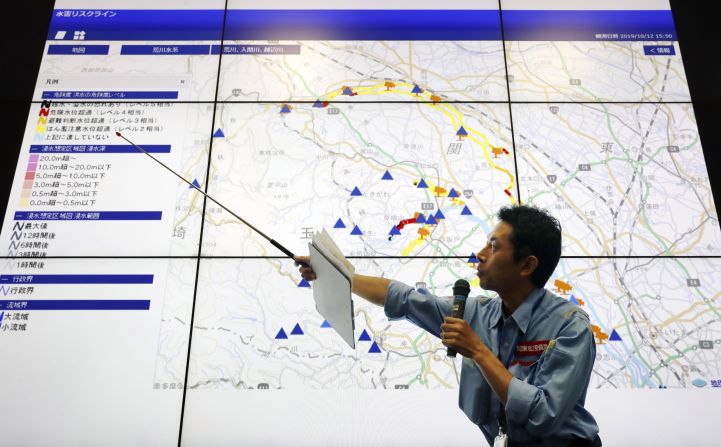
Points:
371	288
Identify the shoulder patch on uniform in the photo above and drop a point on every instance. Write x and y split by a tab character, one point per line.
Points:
570	313
484	299
551	345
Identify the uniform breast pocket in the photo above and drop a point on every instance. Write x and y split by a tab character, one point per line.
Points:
525	368
526	358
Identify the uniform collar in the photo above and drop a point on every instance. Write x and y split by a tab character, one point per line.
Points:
524	312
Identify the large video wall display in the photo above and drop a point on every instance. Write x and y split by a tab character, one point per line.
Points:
136	311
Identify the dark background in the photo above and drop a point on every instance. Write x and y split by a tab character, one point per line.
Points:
25	28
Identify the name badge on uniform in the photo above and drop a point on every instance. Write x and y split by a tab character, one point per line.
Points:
501	440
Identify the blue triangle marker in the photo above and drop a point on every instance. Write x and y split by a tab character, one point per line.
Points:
356	192
422	184
339	224
387	176
347	91
472	259
219	134
614	336
374	349
466	211
417	89
431	220
462	132
573	300
356	231
281	335
364	336
303	283
2	315
285	109
297	330
421	218
453	193
195	184
325	324
394	231
439	215
317	104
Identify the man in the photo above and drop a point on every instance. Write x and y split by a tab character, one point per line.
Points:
528	354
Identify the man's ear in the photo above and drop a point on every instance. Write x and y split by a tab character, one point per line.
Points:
528	265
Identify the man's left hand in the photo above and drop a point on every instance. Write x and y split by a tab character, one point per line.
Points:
457	334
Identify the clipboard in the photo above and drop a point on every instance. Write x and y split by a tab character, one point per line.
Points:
332	295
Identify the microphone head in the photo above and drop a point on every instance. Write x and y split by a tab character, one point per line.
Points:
461	287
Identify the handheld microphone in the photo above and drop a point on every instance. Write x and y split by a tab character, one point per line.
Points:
461	289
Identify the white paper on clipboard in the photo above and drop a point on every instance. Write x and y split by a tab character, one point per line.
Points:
333	286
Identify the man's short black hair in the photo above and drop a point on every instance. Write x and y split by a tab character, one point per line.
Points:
535	232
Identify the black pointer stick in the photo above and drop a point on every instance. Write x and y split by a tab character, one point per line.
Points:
272	241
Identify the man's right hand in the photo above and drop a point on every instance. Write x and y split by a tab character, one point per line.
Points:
371	288
306	272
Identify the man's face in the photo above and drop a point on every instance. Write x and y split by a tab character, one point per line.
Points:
496	269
